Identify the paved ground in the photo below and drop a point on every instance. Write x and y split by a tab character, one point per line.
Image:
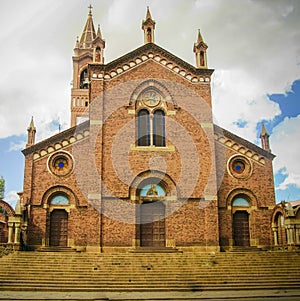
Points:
258	295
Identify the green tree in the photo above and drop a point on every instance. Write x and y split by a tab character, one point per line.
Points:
2	185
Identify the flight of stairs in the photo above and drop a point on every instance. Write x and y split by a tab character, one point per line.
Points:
155	271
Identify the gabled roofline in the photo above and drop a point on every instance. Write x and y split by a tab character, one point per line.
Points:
151	47
246	143
56	138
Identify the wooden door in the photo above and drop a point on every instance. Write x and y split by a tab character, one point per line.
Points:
241	228
153	233
59	228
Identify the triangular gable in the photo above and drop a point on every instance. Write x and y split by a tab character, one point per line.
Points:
59	141
154	52
241	145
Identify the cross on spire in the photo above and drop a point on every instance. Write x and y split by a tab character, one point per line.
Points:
90	7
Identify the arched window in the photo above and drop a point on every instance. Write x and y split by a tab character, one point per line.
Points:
84	80
143	128
59	199
240	202
202	58
159	128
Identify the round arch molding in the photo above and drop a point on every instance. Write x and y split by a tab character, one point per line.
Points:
150	177
10	211
154	85
59	190
247	194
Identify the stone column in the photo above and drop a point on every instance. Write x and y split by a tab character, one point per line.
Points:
10	232
290	234
275	232
297	230
17	232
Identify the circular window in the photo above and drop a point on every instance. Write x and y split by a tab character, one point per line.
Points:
239	167
60	164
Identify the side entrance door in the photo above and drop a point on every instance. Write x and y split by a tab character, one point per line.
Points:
59	228
152	228
241	228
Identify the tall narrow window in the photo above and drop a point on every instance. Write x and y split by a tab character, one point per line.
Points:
143	128
159	128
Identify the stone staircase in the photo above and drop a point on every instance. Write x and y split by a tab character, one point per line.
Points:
150	271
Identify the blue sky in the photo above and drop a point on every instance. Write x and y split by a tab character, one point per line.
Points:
253	46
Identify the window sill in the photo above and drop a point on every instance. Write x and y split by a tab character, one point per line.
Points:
170	148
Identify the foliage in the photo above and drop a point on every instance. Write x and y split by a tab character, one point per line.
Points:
2	185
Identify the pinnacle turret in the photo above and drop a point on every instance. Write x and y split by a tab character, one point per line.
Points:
31	133
200	51
264	137
148	26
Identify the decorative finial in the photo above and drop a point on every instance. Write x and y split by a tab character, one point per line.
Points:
90	7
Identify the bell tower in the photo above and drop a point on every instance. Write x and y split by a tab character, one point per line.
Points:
200	51
88	49
148	26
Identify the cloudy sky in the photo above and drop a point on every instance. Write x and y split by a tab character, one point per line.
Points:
254	47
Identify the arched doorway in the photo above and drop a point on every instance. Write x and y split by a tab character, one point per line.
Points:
241	233
152	227
281	231
59	228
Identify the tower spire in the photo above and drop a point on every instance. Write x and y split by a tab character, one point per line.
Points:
31	133
89	49
200	51
88	35
264	137
148	26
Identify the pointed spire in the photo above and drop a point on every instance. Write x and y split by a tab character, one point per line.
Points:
200	39
200	51
88	34
31	133
148	15
99	32
263	130
148	26
264	137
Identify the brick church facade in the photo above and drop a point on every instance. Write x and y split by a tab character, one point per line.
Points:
143	165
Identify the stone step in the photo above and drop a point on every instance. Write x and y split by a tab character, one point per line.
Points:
70	271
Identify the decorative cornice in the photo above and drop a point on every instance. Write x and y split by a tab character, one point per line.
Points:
59	141
145	53
241	145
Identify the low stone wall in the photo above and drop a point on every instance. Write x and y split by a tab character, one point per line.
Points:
6	249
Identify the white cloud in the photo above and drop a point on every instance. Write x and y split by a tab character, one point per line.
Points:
285	144
17	146
11	198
